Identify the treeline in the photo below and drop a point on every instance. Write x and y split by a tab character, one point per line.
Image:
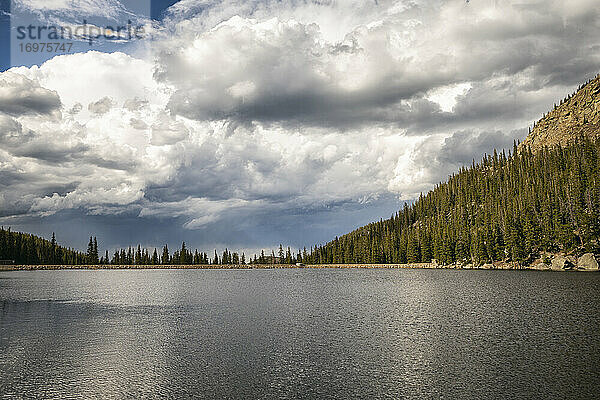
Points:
184	256
506	208
24	248
28	249
282	257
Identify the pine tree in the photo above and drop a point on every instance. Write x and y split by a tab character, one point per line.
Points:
90	251
138	256
183	256
165	259
95	252
53	258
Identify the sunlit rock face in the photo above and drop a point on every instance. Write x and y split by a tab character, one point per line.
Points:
587	262
577	115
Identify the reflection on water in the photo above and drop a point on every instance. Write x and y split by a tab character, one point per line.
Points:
299	334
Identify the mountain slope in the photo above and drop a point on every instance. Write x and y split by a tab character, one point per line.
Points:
545	197
25	248
577	115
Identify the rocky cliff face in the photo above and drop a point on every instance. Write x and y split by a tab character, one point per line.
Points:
578	114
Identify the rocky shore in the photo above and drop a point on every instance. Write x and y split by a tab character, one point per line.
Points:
548	262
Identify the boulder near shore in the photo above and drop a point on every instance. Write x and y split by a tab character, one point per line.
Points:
587	262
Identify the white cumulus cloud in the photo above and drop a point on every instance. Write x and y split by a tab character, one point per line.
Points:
246	108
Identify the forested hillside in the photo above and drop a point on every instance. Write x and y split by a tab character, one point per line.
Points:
543	196
24	248
509	207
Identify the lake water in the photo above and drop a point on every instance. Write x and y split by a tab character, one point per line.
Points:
299	334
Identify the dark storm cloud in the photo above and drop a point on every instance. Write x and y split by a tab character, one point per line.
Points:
11	131
536	46
19	191
54	153
19	142
21	96
464	146
442	157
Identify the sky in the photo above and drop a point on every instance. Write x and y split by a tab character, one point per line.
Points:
249	123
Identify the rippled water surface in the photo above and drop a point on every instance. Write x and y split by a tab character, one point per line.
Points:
299	334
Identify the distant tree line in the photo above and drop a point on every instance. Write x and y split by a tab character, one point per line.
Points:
184	256
508	207
28	249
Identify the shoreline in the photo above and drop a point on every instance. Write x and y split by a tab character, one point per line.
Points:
496	266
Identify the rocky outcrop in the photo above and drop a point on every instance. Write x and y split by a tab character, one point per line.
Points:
558	263
542	264
578	115
562	263
587	262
